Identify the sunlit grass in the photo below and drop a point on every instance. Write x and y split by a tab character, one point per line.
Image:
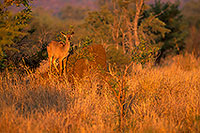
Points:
158	99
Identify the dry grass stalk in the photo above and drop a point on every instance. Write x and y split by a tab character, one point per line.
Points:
159	99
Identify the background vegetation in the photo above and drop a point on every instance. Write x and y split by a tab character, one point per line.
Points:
152	53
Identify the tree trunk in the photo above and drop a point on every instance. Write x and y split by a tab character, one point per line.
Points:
139	5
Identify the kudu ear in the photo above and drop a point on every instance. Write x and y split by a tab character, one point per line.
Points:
62	33
69	36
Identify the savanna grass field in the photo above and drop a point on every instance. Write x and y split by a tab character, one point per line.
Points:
158	99
100	66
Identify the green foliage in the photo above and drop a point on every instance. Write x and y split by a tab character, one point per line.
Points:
2	60
80	49
114	25
108	26
11	25
170	14
152	29
117	56
145	52
11	29
17	2
98	22
85	42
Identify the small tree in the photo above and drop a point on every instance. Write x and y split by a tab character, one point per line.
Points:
124	24
98	22
170	14
11	28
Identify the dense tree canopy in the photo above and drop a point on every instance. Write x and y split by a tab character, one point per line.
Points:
170	14
132	28
11	27
115	25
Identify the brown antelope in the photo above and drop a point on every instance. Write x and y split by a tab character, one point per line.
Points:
58	50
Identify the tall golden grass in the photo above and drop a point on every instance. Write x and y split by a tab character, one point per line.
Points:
158	99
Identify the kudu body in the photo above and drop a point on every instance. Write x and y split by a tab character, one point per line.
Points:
58	50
